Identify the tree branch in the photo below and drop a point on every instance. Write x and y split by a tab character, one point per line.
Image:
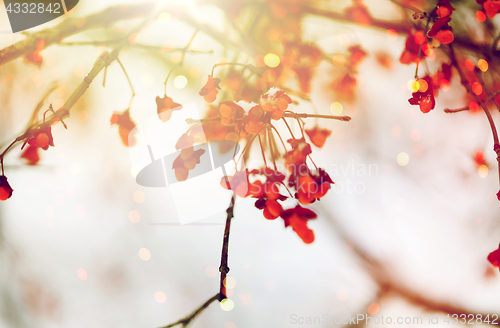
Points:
102	61
466	84
68	28
135	46
401	28
382	277
344	118
223	268
185	321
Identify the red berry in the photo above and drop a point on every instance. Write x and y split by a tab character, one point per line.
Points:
5	188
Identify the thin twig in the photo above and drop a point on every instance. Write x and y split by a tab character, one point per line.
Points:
5	152
249	66
271	148
262	150
137	46
485	88
183	54
185	321
495	42
461	109
102	61
249	143
466	84
288	126
224	268
456	110
385	280
420	47
39	105
282	142
305	115
68	27
186	48
129	82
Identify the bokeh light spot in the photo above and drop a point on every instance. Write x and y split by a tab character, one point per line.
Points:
413	85
444	84
483	65
477	88
52	60
160	297
419	37
259	61
69	191
336	108
480	16
229	324
164	17
269	75
373	308
176	57
82	274
418	150
134	216
273	34
221	60
344	39
144	254
422	85
260	84
469	64
483	171
272	60
139	196
392	34
474	107
403	159
49	211
429	52
415	135
167	47
80	22
342	295
229	282
132	39
79	71
396	130
59	199
195	72
180	82
227	304
232	136
338	60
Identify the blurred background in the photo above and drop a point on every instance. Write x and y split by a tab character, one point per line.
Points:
405	230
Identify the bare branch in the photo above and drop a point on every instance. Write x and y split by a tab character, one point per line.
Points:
466	84
223	268
344	118
69	27
185	321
